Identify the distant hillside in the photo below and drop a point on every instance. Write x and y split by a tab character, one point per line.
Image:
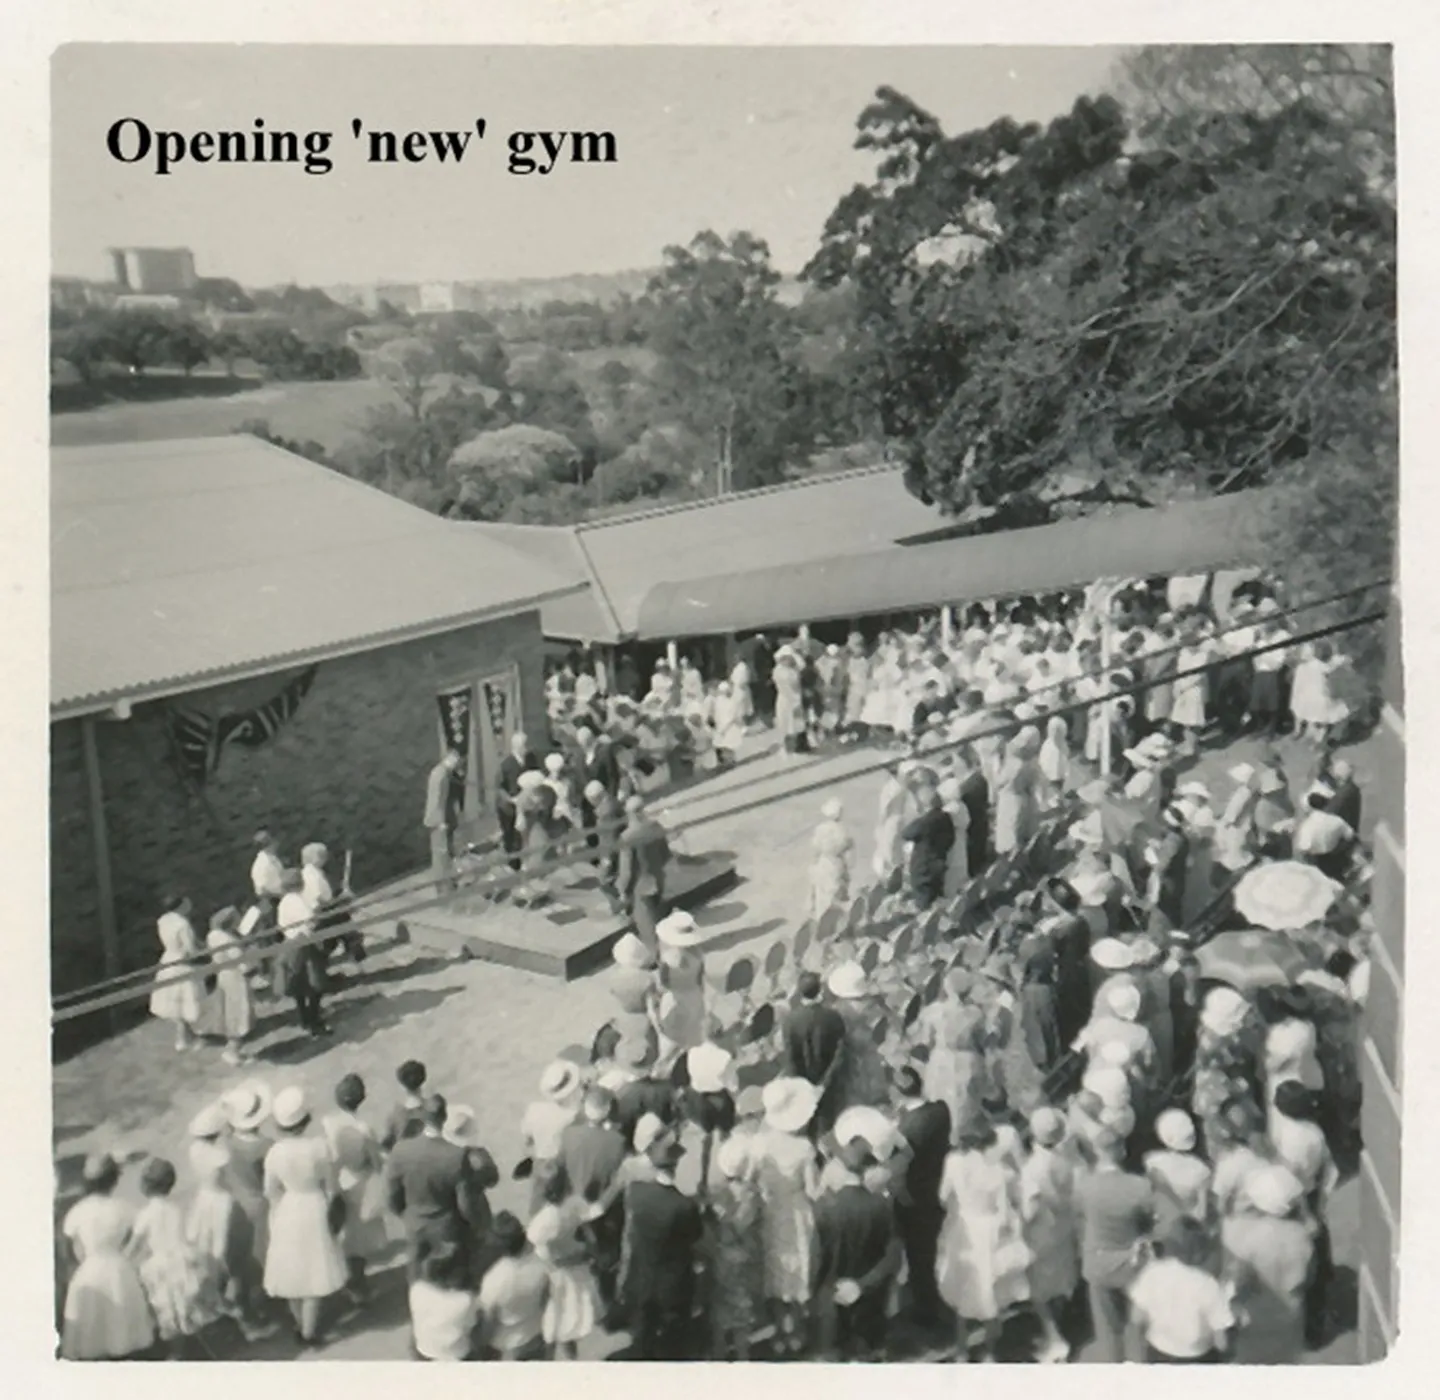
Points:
531	293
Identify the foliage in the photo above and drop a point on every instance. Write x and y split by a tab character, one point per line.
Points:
409	456
282	354
661	463
723	340
548	396
1082	311
308	447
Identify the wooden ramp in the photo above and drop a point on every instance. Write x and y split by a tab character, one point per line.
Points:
569	935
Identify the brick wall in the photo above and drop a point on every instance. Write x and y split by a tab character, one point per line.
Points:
349	769
1380	1059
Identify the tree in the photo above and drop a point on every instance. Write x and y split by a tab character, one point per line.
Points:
399	453
549	397
188	346
494	469
721	338
1080	312
662	463
409	367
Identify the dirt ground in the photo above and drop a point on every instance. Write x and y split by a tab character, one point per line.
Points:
486	1032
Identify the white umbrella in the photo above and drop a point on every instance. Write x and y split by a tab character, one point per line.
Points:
1284	895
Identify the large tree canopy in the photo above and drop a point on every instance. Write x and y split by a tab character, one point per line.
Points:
1107	308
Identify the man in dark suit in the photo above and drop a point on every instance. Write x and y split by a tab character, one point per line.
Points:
429	1185
931	702
444	806
925	1126
662	1235
931	835
597	764
605	821
1069	936
858	1253
644	858
520	759
814	1040
759	656
975	794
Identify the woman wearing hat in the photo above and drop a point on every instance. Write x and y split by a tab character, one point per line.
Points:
304	1264
728	718
106	1317
232	984
218	1227
861	1075
1017	792
633	985
830	867
545	1120
789	1180
176	997
734	1251
1270	1259
680	1012
983	1263
1227	1059
247	1109
789	706
1047	1204
856	673
954	1029
1180	1178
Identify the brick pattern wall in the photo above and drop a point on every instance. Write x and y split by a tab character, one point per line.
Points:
349	769
1380	1059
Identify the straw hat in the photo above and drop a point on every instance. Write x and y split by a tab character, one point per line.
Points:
1273	1190
560	1081
1176	1130
790	1104
247	1106
732	1157
210	1122
461	1128
1145	954
648	1131
868	1125
1224	1011
848	982
290	1108
634	1053
554	764
631	952
1111	955
529	780
711	1069
1047	1126
678	930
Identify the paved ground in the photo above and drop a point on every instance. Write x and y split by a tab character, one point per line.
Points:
487	1032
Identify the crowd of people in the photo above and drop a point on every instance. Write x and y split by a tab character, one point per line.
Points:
1072	1124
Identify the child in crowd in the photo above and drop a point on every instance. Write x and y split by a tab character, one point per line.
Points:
405	1119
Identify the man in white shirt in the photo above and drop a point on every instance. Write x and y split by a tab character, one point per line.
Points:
267	871
1267	699
1181	1310
300	966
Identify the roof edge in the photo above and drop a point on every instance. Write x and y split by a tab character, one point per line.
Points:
77	707
677	507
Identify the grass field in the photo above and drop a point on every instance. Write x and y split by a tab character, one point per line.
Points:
327	413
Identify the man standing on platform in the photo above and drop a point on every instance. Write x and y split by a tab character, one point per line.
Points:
444	803
644	860
598	764
519	760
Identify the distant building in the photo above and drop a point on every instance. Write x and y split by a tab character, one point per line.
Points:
147	301
76	293
450	296
154	270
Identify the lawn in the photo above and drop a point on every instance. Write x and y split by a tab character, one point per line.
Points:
327	413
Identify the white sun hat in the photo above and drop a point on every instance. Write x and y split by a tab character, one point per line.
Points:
711	1069
848	981
790	1104
679	930
290	1108
1176	1130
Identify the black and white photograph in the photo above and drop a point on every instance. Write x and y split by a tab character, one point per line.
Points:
734	704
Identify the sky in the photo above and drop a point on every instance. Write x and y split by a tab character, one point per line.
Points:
722	138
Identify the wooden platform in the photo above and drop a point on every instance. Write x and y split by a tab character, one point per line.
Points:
568	936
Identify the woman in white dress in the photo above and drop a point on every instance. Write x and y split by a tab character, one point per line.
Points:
857	685
680	1014
235	1009
359	1164
830	863
107	1316
878	710
1047	1187
573	1308
1189	693
176	997
1313	701
789	1180
728	717
983	1264
889	852
304	1263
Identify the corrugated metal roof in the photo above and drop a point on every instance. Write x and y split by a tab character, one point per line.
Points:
1192	537
792	524
188	560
